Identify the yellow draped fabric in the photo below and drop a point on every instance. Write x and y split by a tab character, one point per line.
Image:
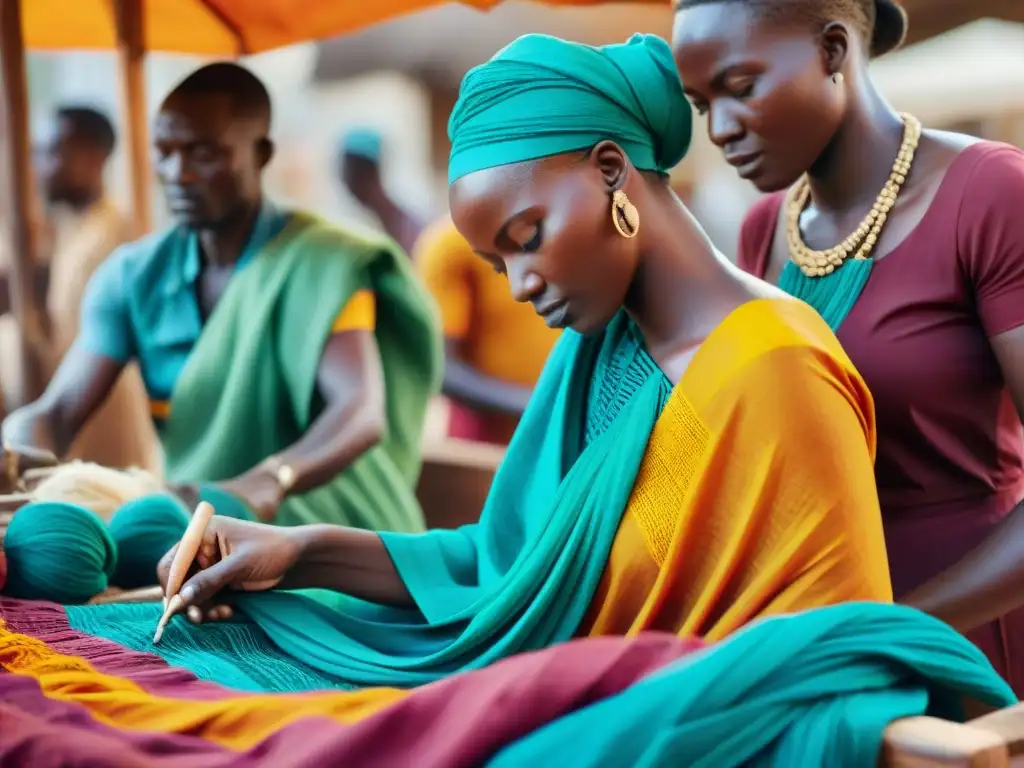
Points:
238	722
756	496
757	492
219	27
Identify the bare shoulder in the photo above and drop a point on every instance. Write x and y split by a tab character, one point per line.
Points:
938	149
953	143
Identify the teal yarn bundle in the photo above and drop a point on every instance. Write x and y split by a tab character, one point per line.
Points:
65	553
144	530
58	551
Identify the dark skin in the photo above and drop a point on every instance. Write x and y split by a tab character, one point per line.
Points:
70	168
547	225
209	159
464	383
775	111
361	176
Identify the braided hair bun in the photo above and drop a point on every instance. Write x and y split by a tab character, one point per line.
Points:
890	27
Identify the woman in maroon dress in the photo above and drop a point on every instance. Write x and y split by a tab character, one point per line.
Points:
926	294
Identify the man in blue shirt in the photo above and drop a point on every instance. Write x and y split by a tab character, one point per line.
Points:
267	365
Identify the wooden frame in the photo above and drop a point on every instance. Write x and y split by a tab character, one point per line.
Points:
16	173
995	740
18	192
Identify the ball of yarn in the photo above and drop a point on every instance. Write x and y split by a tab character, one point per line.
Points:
144	530
57	551
101	489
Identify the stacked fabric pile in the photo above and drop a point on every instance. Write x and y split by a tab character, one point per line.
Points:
816	688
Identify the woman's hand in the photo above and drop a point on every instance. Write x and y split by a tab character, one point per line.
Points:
16	459
234	554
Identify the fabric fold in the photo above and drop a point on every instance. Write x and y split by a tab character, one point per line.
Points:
813	688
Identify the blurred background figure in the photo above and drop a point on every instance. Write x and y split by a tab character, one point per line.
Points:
495	347
81	226
359	171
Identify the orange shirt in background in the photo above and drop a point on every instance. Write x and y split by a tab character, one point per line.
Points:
500	337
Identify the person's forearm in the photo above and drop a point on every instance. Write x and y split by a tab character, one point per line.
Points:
466	384
347	560
982	586
34	426
339	436
78	388
401	226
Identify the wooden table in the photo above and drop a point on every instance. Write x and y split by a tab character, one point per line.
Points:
455	480
994	740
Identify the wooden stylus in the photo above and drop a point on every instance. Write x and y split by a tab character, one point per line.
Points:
188	548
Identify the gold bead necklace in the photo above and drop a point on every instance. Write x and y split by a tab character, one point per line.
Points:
861	241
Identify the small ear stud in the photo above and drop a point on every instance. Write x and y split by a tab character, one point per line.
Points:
838	78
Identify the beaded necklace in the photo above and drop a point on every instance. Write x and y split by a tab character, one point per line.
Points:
831	280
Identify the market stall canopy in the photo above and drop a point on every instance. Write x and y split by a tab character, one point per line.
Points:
444	42
221	27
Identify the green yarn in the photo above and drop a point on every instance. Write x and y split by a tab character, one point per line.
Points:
833	296
58	551
144	530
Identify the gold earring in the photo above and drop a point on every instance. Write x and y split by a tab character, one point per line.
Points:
837	78
625	216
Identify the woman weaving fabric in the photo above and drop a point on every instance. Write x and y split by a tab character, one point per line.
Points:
691	403
697	455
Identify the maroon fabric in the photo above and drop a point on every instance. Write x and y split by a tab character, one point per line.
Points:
37	731
48	622
465	423
3	564
460	721
950	460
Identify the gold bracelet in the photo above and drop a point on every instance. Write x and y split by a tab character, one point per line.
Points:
282	472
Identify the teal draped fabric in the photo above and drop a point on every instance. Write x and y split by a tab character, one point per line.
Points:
521	579
834	295
812	689
542	96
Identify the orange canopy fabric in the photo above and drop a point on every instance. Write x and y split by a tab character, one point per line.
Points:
219	27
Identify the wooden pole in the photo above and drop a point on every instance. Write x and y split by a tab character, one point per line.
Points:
18	192
131	55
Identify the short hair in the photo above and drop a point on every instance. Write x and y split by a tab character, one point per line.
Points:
90	126
249	97
882	24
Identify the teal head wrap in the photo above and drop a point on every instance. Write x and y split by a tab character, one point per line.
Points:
543	96
362	142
